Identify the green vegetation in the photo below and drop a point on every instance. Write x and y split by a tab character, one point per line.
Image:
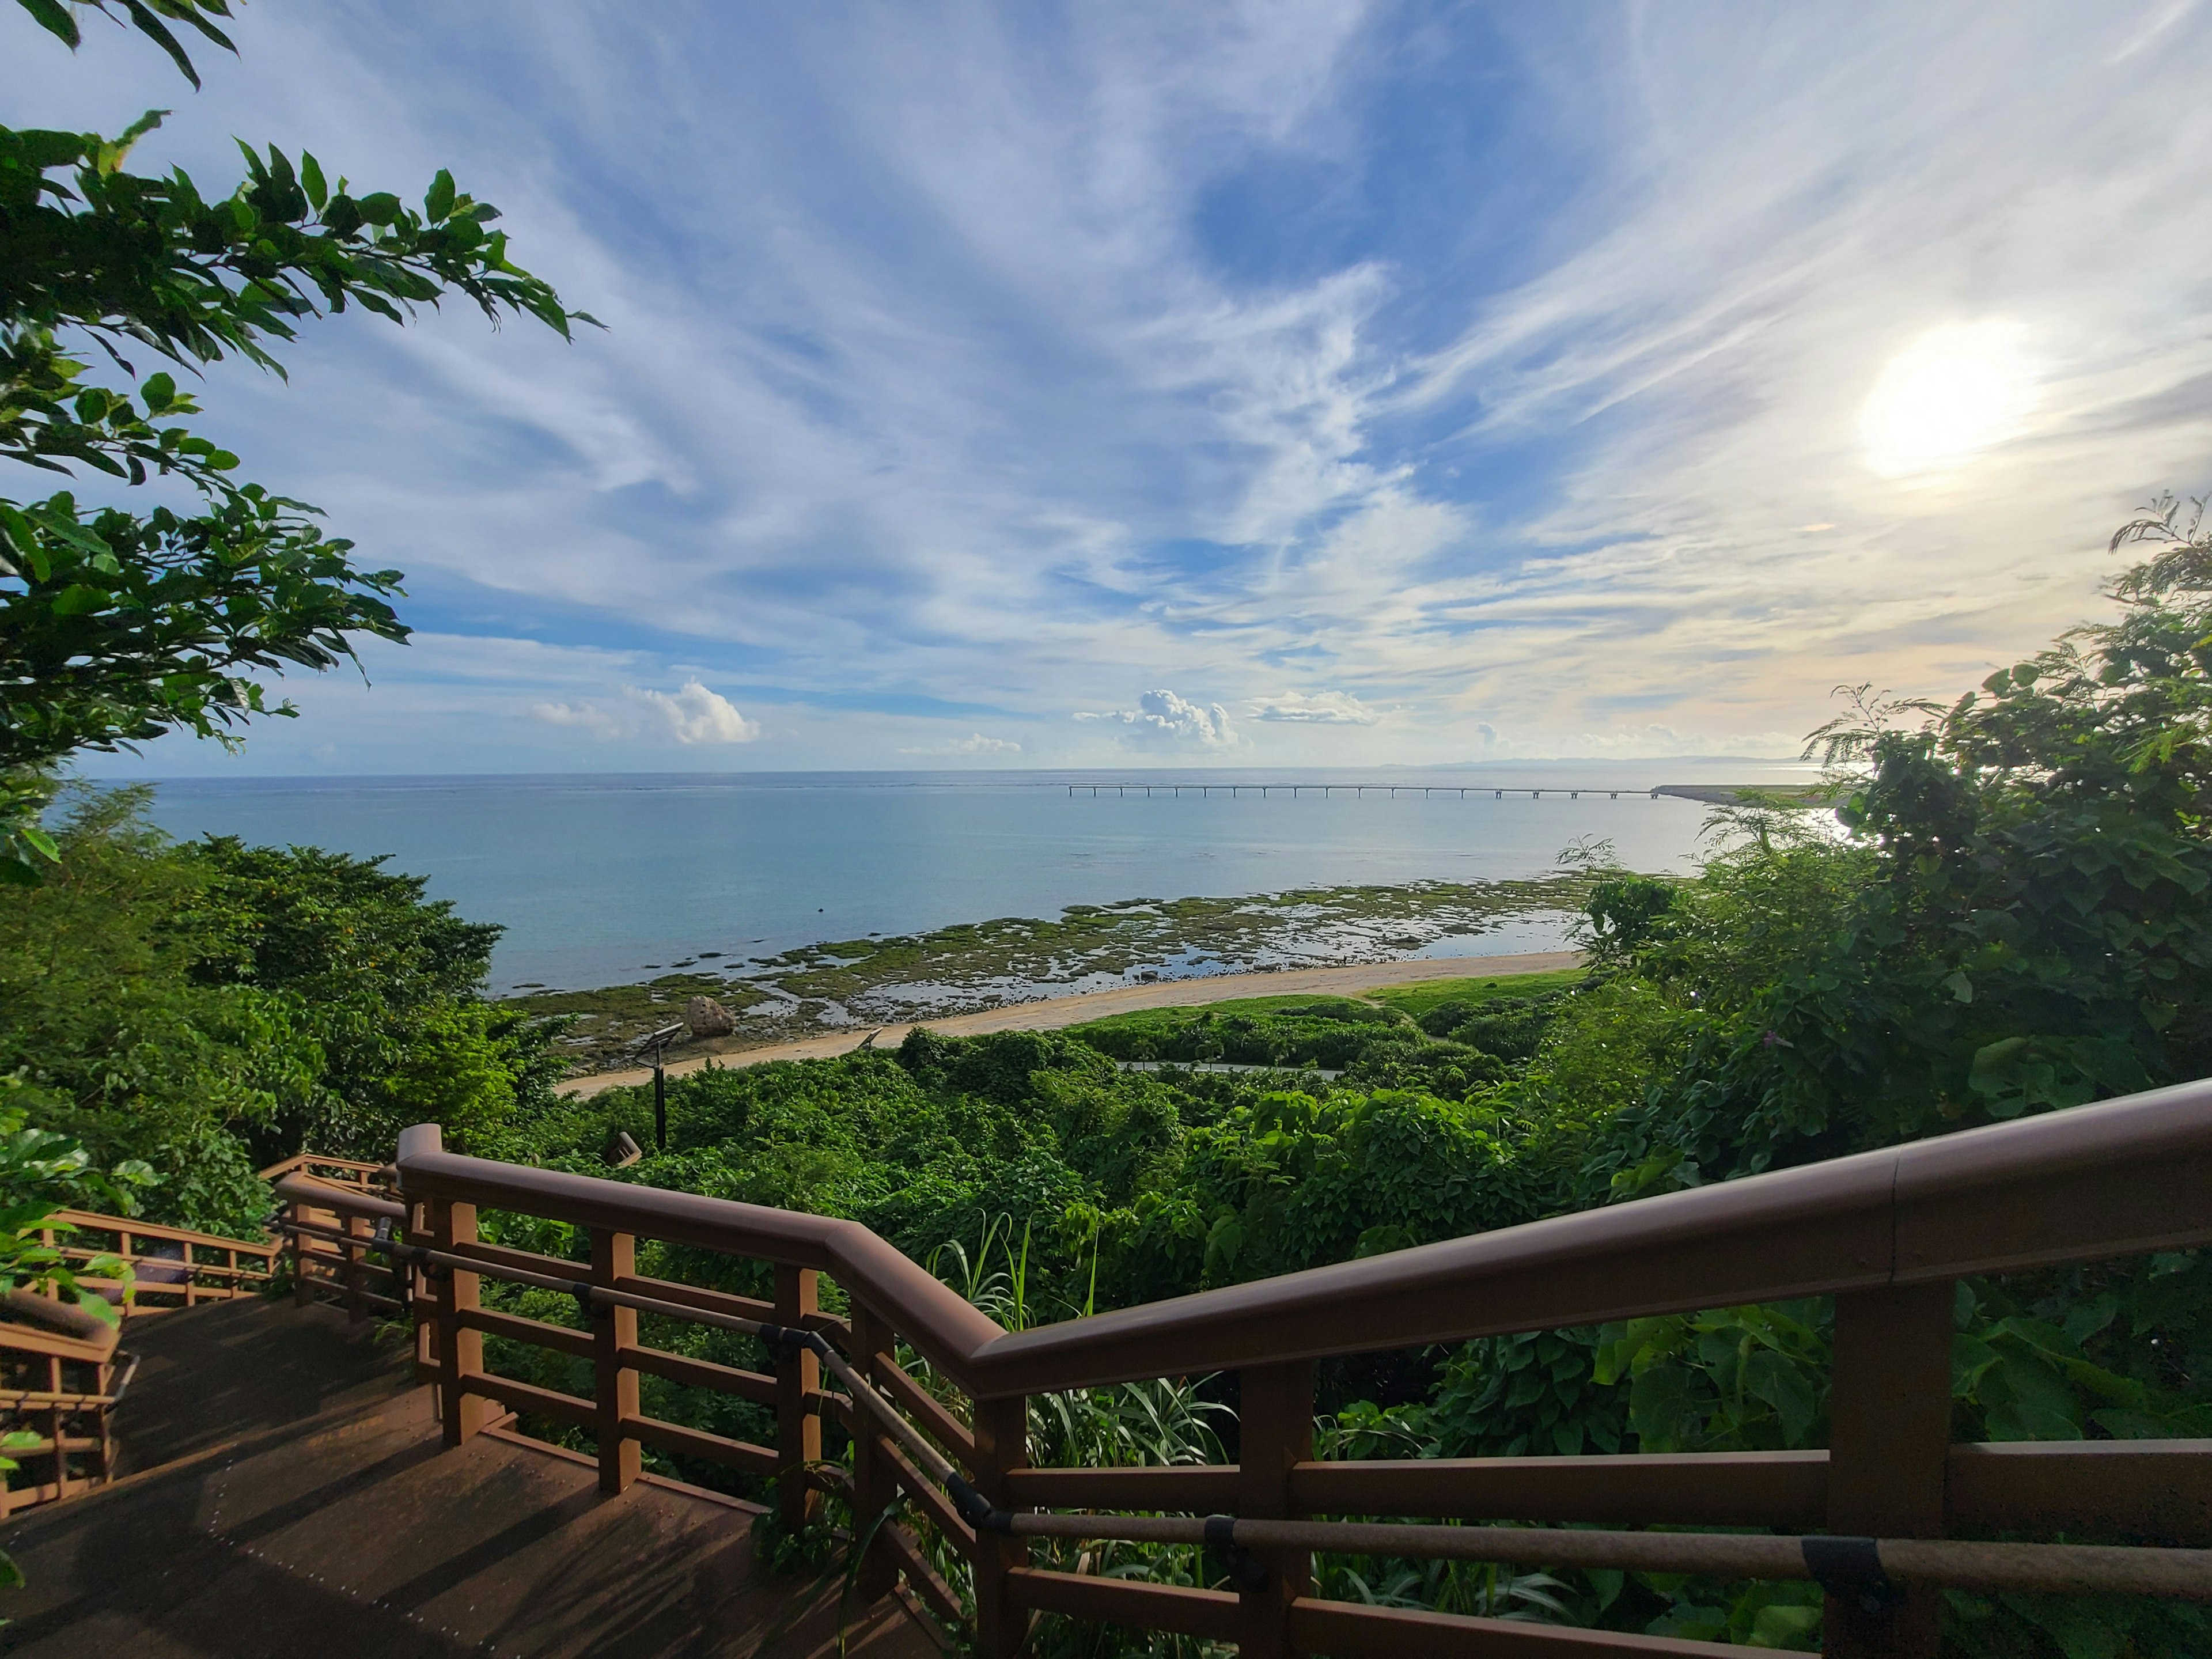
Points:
2016	917
117	626
204	1009
1421	998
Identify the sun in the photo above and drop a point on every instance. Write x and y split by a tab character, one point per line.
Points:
1951	394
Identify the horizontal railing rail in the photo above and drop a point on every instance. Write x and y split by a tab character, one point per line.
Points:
67	1386
60	1373
180	1276
1885	1234
325	1230
338	1171
2122	1178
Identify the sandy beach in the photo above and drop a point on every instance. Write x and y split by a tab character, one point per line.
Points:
1052	1013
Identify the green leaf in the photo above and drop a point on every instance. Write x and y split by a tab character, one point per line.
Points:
439	201
77	600
138	130
1782	1384
1658	1402
2136	1425
55	19
155	30
1796	1628
2027	1400
2079	1630
311	181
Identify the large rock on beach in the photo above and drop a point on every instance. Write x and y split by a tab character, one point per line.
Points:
709	1018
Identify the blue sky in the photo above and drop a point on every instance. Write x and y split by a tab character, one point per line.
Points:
1272	384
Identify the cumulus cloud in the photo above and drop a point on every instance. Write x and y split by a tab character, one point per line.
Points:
692	715
1163	717
976	744
1314	708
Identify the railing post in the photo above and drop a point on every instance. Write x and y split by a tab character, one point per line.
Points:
1275	1418
459	1352
614	1255
798	1415
356	1269
874	1486
1001	1445
303	1294
421	1297
56	1424
1888	1443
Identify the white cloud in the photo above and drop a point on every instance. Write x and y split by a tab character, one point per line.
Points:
1163	717
1004	367
975	744
691	716
1314	708
1651	740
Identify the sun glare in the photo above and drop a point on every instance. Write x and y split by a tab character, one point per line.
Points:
1949	395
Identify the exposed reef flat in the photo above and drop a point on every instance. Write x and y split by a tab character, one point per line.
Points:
856	985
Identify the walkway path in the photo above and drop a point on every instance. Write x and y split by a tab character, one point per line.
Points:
302	1506
1053	1013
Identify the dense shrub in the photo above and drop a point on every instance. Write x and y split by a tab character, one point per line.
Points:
209	1007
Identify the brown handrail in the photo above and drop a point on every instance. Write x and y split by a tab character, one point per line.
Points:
337	1263
314	1192
354	1172
1884	1232
2121	1178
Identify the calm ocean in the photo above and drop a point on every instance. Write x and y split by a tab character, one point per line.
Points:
599	879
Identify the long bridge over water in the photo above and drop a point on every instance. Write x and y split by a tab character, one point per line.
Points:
1534	791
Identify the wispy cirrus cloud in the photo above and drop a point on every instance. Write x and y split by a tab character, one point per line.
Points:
1004	360
975	744
1314	708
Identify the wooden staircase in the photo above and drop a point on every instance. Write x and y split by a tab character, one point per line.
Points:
283	1490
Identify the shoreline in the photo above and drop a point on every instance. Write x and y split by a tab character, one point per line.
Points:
1052	1014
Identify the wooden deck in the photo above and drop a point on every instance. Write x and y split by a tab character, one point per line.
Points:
290	1497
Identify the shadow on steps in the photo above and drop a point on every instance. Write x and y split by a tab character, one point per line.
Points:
304	1505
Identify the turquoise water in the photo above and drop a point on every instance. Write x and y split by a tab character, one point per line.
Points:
600	879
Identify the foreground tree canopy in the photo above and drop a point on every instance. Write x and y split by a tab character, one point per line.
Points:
118	625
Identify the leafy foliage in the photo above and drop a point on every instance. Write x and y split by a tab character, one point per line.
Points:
206	1008
57	19
116	626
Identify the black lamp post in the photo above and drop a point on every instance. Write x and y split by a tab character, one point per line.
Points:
659	1042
